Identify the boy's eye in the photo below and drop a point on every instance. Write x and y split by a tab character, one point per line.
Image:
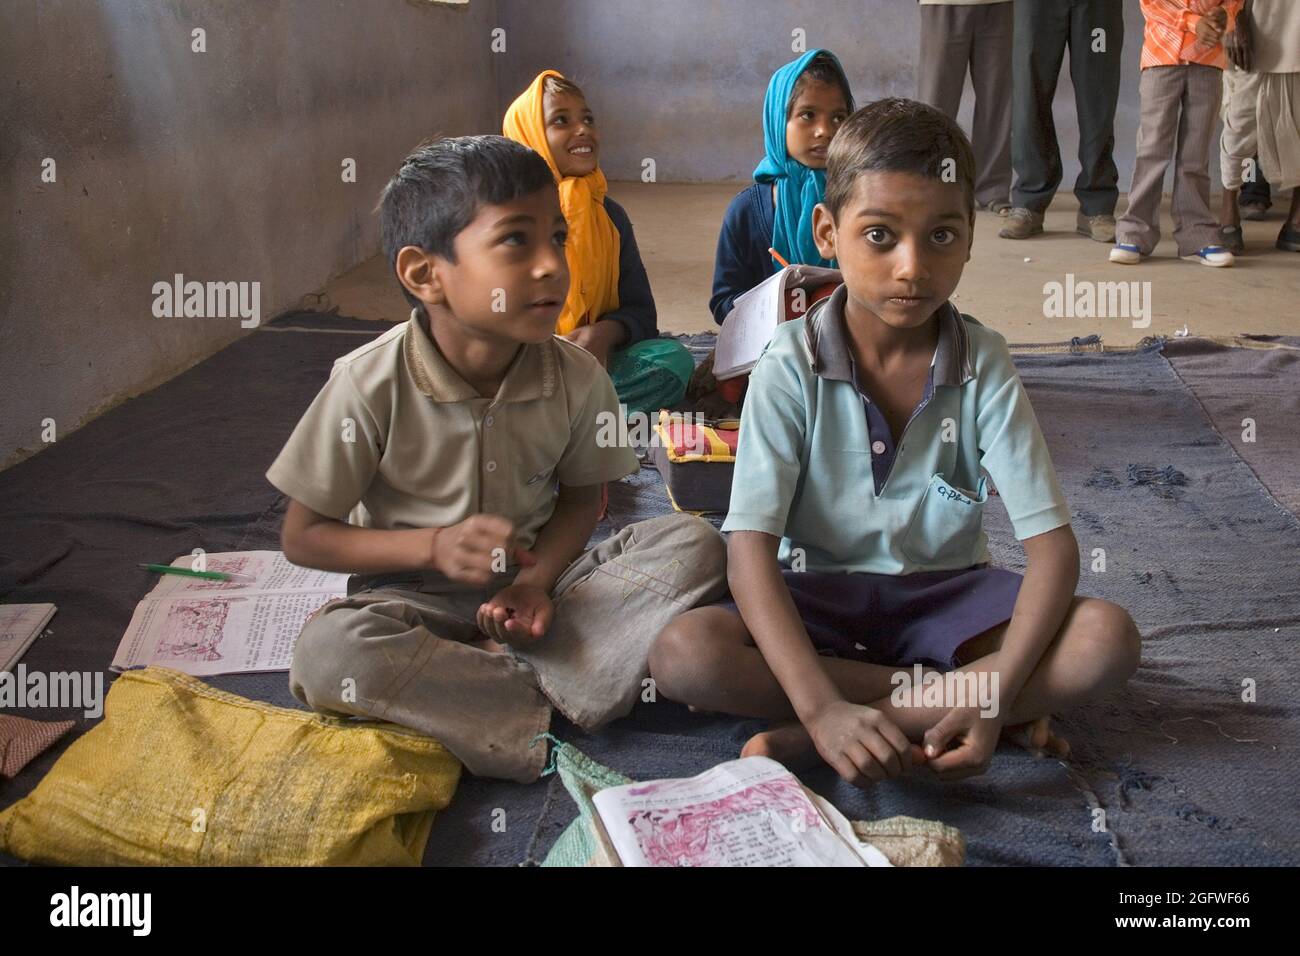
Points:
514	239
878	235
944	237
560	237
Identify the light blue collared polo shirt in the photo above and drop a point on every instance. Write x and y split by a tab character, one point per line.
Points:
817	467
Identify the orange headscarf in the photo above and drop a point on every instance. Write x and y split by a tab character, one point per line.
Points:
593	245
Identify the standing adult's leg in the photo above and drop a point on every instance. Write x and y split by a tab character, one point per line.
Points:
1096	44
1236	149
990	70
1161	91
1278	116
1041	32
1256	195
1194	224
946	36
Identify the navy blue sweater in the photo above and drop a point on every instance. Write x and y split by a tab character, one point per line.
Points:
636	305
743	261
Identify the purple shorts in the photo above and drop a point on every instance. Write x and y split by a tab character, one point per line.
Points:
920	618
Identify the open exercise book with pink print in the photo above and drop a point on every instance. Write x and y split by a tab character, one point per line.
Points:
746	812
204	627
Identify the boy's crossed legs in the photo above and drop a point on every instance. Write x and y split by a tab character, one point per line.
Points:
706	658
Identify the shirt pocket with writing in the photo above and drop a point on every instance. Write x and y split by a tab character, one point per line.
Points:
945	530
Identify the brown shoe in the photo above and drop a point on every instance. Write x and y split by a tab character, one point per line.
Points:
1254	211
1022	223
1097	228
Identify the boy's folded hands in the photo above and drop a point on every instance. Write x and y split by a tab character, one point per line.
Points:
518	614
976	736
1209	28
472	552
860	743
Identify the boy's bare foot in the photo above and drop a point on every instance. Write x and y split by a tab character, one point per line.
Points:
1038	738
789	744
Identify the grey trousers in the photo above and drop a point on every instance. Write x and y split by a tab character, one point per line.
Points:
1238	144
1180	109
1044	29
953	38
405	654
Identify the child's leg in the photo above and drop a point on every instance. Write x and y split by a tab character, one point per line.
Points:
1195	226
1161	89
409	658
1096	651
610	604
707	659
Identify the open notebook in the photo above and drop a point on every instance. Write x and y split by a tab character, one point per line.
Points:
20	624
204	627
746	812
755	315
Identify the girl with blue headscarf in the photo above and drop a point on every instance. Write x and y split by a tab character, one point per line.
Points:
807	100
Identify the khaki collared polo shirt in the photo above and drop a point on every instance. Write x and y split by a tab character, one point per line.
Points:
397	439
817	466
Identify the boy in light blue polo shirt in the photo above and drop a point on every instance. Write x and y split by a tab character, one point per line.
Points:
873	429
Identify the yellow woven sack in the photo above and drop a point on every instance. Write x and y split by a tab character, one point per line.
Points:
181	773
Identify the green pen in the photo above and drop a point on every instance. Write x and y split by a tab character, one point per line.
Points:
190	573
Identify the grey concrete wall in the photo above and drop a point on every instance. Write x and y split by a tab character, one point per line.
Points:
225	165
222	165
682	81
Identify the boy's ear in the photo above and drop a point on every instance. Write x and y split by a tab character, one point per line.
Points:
415	270
823	228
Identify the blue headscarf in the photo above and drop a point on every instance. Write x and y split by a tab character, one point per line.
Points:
798	187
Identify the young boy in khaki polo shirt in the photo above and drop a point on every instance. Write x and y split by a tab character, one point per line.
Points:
453	465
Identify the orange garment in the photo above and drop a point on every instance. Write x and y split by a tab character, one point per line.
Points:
592	247
1170	35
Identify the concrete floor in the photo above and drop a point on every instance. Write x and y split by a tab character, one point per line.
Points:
677	229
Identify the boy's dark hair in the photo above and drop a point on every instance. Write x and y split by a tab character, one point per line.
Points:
822	68
898	136
442	185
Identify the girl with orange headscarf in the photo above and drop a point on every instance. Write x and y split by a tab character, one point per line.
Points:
610	310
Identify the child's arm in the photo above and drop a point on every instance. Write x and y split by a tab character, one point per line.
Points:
564	536
636	314
1046	593
734	271
860	743
523	609
463	552
1012	450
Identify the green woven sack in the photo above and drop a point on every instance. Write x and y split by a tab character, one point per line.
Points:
652	374
578	845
